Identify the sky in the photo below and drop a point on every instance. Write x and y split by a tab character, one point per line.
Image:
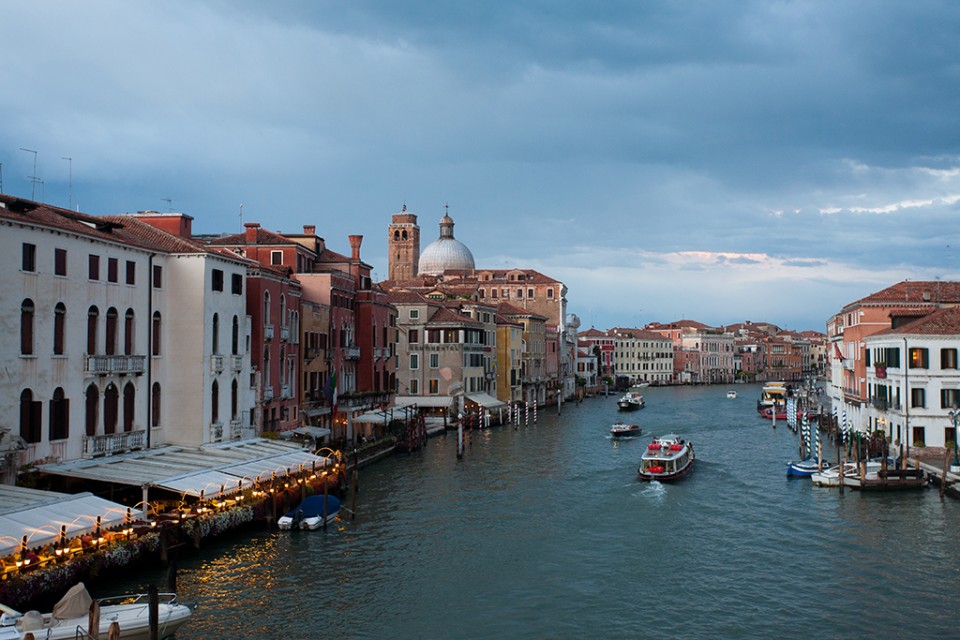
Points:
717	161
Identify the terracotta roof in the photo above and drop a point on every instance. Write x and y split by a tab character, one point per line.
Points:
911	292
637	334
942	322
446	316
507	309
263	237
402	296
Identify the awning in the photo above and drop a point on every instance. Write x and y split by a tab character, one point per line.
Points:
310	430
373	417
39	515
424	401
212	484
485	400
316	412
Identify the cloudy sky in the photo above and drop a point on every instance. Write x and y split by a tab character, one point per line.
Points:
719	161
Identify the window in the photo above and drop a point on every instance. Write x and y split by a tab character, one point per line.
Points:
434	360
26	327
919	436
215	402
59	328
110	346
949	398
60	262
919	358
131	272
217	280
129	406
93	267
59	416
128	333
93	321
276	257
236	284
414	387
216	333
414	361
91	413
505	294
29	262
519	294
948	358
530	293
155	338
413	336
414	314
235	337
157	276
549	293
30	417
483	293
434	386
155	405
113	266
111	407
234	400
918	398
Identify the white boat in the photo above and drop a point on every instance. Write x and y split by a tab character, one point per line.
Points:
668	457
624	430
731	394
631	400
71	617
311	513
852	471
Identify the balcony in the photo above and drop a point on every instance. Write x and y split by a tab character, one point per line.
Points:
216	431
884	404
268	332
268	393
236	364
236	429
114	365
285	391
216	364
112	443
351	353
285	333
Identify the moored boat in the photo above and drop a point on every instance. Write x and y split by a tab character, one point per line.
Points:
731	394
623	430
70	617
311	514
668	457
806	468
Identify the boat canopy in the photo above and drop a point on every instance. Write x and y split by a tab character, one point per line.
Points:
312	506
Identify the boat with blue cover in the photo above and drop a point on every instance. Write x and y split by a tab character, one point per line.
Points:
311	514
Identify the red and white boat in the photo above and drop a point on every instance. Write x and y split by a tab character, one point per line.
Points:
667	458
624	430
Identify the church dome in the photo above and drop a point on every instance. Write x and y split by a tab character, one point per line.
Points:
445	253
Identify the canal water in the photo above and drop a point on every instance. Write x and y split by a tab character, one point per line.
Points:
544	532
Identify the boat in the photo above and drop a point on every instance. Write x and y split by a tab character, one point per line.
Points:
884	477
631	400
805	468
731	394
830	476
772	394
623	430
667	458
767	412
70	617
310	513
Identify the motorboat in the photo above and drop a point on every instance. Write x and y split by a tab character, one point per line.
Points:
667	458
768	413
772	394
311	514
70	617
624	430
852	471
732	394
805	468
631	400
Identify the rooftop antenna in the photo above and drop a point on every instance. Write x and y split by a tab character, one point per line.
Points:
169	204
33	178
241	216
70	184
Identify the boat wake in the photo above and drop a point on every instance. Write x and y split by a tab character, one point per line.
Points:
653	490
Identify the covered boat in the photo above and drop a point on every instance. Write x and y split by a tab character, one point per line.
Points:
668	457
623	430
311	514
71	617
806	468
631	400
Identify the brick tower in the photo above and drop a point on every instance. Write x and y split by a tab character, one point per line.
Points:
403	243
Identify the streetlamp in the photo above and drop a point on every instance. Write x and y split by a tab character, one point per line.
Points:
954	417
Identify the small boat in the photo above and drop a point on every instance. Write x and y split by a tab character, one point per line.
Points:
731	394
767	412
668	457
130	612
624	430
310	513
631	400
830	477
805	468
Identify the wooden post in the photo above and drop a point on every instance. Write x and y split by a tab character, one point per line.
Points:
943	479
153	611
172	577
113	633
843	461
93	621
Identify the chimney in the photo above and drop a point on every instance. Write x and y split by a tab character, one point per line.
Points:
309	230
355	246
251	232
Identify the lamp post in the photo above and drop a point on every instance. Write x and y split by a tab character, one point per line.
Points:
955	417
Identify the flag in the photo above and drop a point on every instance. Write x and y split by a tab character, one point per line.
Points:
837	353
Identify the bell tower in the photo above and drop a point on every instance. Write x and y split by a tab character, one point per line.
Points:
403	243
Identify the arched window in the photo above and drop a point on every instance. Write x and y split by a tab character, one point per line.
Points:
59	416
155	405
216	333
396	235
404	234
234	399
215	402
128	333
129	406
111	407
30	418
111	340
266	307
283	366
59	328
283	311
92	398
26	327
155	347
266	367
235	336
93	322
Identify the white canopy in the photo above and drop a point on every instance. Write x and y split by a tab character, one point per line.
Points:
424	401
485	400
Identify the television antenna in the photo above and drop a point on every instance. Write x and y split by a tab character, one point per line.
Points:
33	178
169	204
70	184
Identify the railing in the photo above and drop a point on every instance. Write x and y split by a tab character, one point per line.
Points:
115	365
285	333
236	429
351	353
236	364
268	332
285	391
111	443
216	431
268	393
216	363
884	404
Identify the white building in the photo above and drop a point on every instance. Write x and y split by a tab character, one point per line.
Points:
642	356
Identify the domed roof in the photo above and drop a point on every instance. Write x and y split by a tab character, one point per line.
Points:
445	253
